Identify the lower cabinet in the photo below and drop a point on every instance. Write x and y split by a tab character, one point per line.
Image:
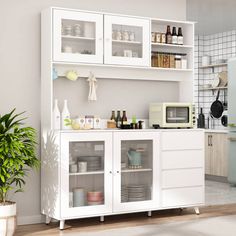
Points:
97	173
216	154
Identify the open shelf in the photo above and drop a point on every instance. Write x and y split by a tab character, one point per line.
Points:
213	66
171	45
217	88
88	173
136	170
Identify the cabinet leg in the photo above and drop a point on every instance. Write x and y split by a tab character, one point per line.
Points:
101	218
48	220
196	209
149	213
62	224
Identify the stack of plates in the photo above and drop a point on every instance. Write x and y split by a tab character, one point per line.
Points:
94	163
124	193
136	193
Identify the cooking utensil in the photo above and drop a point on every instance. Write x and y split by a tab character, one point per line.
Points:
224	120
215	82
217	107
223	78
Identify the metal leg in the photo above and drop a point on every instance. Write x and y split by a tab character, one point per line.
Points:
196	209
48	220
149	213
101	218
62	224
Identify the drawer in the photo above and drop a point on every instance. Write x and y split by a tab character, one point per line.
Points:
184	140
182	197
182	178
182	159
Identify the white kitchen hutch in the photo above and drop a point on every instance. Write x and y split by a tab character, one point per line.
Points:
171	170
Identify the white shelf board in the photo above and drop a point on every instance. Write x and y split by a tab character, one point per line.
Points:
77	37
217	88
171	45
126	42
136	170
123	72
213	65
87	173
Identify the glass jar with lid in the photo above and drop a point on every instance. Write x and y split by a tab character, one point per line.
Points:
118	35
131	36
77	30
178	61
125	35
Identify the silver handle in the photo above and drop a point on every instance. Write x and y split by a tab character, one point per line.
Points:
208	140
232	139
211	141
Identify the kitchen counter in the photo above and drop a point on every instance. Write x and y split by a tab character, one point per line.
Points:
224	131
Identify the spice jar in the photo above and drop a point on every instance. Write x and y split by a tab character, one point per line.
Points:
118	35
158	37
163	38
172	60
184	62
178	62
153	37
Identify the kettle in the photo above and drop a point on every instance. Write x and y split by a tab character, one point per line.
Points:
135	158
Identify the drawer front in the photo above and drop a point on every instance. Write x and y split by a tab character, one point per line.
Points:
182	159
182	197
182	178
183	140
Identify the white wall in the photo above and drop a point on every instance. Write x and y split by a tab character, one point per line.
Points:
213	16
20	63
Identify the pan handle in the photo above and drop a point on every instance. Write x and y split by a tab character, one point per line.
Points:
218	95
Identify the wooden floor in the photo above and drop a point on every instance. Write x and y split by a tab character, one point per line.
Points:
128	220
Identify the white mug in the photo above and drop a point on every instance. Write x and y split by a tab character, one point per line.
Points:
82	166
73	168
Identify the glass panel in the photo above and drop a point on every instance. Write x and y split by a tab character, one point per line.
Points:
86	170
78	37
127	41
177	114
136	170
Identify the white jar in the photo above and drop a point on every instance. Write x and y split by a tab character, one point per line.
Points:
82	166
206	60
73	168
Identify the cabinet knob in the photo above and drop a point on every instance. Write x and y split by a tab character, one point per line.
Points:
110	172
118	172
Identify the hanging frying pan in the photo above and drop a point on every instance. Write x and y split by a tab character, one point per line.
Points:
217	107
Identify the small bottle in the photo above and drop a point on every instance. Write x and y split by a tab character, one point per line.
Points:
201	120
124	120
65	115
180	38
174	36
118	119
168	35
113	117
56	116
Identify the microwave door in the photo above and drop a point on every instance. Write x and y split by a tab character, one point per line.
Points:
177	115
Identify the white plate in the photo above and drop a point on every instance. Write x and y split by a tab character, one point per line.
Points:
215	82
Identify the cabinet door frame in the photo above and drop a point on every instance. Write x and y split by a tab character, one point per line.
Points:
130	21
106	208
97	18
156	190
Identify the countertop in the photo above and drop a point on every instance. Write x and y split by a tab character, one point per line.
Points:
224	131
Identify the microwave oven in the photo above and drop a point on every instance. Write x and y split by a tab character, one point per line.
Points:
171	115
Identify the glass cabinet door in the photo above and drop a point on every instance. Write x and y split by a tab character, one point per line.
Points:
77	36
126	41
86	173
136	176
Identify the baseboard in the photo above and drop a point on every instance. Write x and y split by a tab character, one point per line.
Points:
217	178
29	220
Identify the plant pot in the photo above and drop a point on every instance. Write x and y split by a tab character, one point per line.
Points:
7	219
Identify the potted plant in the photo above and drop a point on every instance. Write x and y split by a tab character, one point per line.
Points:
17	157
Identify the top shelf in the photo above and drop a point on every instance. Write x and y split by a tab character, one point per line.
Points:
213	66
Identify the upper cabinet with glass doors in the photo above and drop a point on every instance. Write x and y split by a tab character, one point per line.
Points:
126	40
77	36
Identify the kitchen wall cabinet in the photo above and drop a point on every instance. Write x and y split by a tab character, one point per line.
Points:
77	36
127	40
216	154
126	171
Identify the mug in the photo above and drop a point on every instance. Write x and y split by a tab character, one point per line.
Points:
71	75
73	168
82	166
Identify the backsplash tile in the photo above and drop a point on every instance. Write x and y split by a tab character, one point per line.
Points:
217	46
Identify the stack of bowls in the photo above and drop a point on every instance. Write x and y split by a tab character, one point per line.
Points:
136	193
124	193
95	198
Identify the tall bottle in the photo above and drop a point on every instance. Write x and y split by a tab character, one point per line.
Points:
124	119
180	38
174	36
168	35
113	116
118	119
201	120
65	115
56	116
